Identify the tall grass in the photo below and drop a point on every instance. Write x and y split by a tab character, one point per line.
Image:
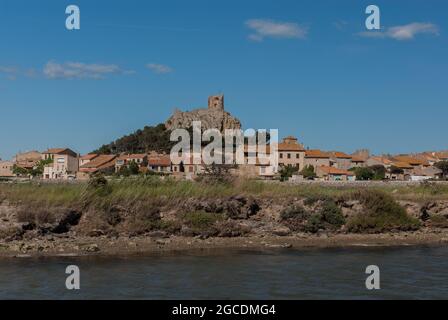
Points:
131	190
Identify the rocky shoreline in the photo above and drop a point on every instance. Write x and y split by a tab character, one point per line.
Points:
101	222
69	246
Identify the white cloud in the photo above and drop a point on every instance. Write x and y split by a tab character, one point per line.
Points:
79	70
159	68
265	28
404	32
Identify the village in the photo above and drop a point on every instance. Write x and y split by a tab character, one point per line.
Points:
295	162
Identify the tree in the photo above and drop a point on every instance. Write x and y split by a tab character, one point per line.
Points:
19	171
147	139
308	172
442	165
379	172
133	168
364	173
286	172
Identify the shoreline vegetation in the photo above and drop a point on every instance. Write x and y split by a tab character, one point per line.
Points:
150	214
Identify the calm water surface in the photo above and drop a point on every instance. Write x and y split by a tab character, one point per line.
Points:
406	273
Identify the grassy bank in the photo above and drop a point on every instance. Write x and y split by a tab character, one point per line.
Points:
140	189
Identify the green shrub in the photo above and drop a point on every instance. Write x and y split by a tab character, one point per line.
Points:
314	223
200	220
332	214
382	213
312	199
294	212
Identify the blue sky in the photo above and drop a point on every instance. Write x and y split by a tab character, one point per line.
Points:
305	67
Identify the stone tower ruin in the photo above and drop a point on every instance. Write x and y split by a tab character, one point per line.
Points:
216	102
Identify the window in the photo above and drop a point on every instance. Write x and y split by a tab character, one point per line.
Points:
281	155
61	160
297	156
262	170
289	156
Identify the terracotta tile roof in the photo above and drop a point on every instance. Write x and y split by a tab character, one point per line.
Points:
402	165
442	155
316	154
341	155
290	144
88	156
411	160
60	151
100	162
162	161
335	171
383	160
357	159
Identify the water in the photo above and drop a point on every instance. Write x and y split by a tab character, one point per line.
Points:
406	273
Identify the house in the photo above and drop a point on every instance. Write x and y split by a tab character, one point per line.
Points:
189	168
317	158
291	152
6	168
357	162
328	173
441	156
341	160
87	158
27	160
413	161
126	159
65	163
426	173
103	163
378	160
159	163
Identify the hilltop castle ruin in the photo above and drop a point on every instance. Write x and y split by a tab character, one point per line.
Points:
212	117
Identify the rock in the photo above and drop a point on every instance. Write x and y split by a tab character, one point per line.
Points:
281	231
92	248
214	117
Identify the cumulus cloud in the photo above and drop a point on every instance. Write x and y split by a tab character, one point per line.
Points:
265	28
79	70
159	68
404	32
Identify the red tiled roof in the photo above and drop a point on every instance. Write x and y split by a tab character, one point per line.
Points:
316	154
162	161
60	151
89	156
411	160
335	171
357	159
100	162
402	165
341	155
290	144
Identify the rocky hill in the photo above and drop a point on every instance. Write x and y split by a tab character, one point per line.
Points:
213	117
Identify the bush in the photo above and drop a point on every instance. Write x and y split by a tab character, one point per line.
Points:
332	214
294	212
200	220
382	213
314	223
315	198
